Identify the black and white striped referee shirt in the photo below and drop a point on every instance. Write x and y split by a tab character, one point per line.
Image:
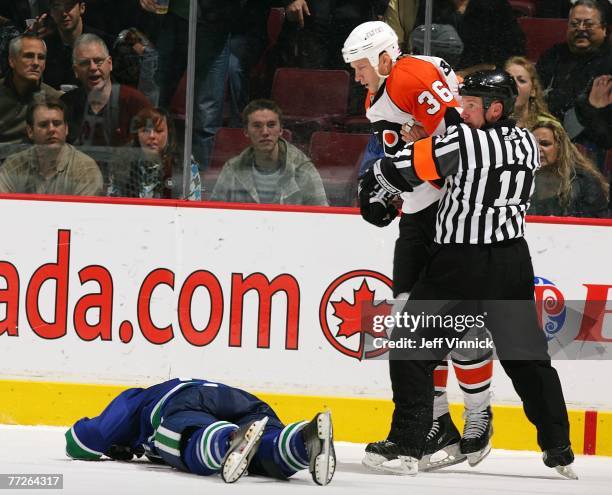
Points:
488	179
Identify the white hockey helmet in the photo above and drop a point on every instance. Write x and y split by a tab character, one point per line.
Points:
369	40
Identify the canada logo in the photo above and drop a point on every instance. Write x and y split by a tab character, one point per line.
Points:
347	309
550	306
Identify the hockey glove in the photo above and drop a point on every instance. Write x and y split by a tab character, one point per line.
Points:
374	202
121	453
389	177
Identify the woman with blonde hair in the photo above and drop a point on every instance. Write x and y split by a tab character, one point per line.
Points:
568	183
530	103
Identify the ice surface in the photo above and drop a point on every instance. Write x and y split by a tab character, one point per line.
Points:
41	450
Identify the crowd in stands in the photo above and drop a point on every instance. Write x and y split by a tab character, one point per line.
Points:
93	95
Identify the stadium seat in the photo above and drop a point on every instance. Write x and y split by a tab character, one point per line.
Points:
541	34
337	156
229	142
311	98
523	7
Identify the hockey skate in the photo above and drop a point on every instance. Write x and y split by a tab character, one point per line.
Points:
561	458
243	445
387	456
442	445
477	433
319	440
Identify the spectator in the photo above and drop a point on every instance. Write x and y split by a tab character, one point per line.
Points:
488	29
50	166
135	63
567	69
568	184
248	41
68	18
530	104
271	170
101	111
152	168
401	16
594	111
20	10
8	31
212	61
22	84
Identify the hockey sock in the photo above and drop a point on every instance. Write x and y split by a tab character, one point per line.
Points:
440	406
206	448
292	449
474	378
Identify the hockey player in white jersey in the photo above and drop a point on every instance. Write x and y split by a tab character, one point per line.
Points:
409	98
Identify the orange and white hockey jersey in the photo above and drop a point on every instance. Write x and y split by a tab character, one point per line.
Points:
419	90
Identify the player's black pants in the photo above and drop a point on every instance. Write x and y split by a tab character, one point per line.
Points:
482	278
413	247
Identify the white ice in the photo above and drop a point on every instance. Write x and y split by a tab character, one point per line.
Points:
41	450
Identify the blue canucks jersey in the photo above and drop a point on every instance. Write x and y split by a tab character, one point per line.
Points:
130	420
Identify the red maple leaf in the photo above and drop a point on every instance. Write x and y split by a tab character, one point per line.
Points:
357	316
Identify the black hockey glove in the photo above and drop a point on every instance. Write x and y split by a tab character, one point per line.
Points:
389	177
374	202
121	453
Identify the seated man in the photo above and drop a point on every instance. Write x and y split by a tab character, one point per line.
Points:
271	170
68	18
205	428
50	166
27	62
101	111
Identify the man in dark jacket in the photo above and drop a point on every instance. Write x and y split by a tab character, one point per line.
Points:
568	71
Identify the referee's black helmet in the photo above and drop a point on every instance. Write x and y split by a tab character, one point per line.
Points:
491	85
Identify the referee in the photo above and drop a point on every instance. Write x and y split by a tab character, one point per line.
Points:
480	258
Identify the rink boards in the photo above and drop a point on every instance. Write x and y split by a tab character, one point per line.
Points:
96	294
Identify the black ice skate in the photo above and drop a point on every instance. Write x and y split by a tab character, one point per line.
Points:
477	433
442	445
561	458
319	440
243	445
389	457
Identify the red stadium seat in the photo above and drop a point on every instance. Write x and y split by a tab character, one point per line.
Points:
229	142
542	34
523	7
311	96
337	156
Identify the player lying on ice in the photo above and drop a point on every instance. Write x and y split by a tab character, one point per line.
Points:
205	428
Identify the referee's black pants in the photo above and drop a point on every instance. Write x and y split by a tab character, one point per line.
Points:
483	277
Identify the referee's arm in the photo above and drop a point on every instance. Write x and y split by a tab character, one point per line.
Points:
428	159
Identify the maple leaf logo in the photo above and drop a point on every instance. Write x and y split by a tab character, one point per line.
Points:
357	317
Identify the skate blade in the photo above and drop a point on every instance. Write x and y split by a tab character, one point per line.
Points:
401	466
475	458
448	456
567	472
237	462
325	462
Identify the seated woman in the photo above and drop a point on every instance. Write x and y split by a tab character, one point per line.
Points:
530	104
152	167
568	184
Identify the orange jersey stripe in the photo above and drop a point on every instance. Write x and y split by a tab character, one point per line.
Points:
474	376
423	161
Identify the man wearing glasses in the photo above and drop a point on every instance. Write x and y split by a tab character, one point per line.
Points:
68	18
577	76
101	111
